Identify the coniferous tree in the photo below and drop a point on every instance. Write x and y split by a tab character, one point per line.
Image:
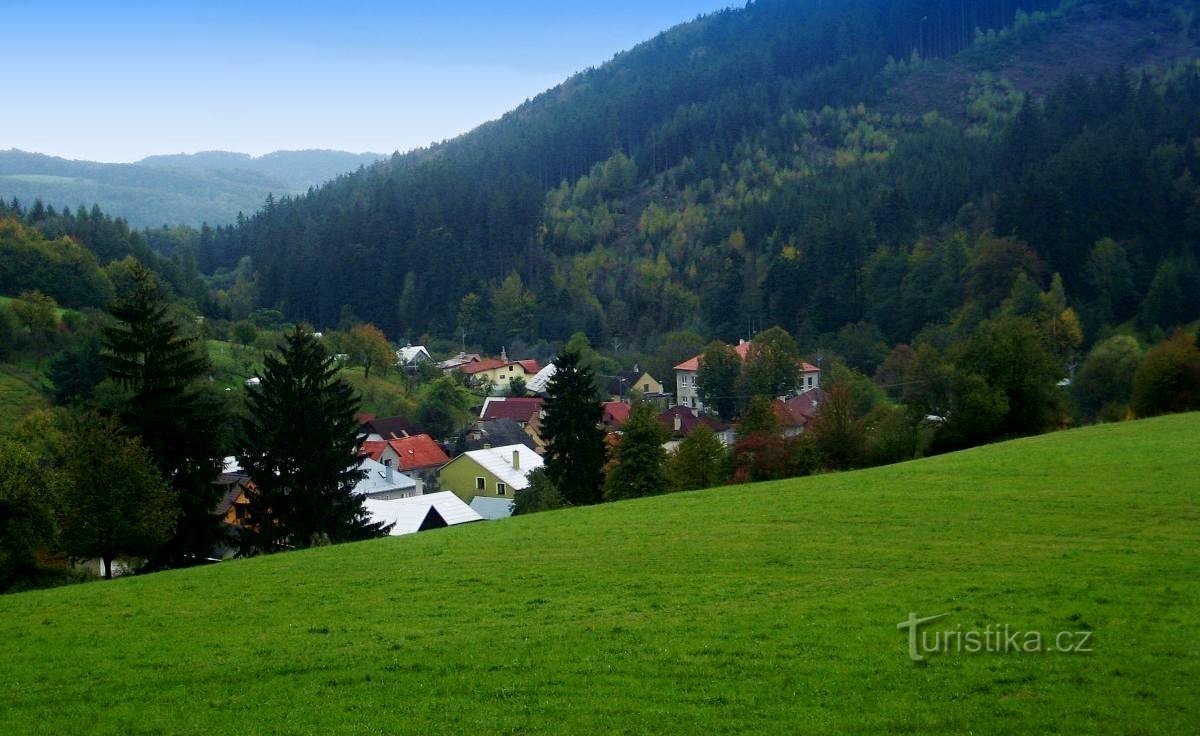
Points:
641	461
574	439
300	444
177	420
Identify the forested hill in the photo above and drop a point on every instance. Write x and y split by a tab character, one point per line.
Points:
809	164
182	189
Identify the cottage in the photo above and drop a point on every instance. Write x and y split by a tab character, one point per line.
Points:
497	472
413	356
500	372
493	433
418	457
387	428
621	385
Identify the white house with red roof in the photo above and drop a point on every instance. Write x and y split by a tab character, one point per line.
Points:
687	374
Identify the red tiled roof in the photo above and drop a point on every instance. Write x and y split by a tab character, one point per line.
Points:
531	366
415	452
519	409
806	404
616	413
480	366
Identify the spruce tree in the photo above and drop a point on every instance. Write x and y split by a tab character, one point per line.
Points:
299	445
167	407
641	464
574	438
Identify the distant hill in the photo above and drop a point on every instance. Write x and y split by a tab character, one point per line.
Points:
188	189
765	608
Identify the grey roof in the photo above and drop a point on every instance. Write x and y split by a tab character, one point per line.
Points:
493	433
492	508
376	482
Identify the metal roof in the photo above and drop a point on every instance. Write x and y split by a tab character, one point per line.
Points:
539	382
376	480
407	514
499	462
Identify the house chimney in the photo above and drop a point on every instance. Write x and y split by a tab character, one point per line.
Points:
503	354
387	473
516	459
678	422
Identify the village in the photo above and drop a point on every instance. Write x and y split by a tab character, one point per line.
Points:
413	482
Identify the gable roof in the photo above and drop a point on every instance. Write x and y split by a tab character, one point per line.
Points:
376	480
688	421
458	360
409	514
521	409
531	366
616	413
479	366
806	404
498	462
410	353
494	433
419	451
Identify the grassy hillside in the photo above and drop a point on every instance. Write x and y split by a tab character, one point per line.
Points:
767	608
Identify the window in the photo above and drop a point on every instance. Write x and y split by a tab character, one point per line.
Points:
646	388
480	483
501	489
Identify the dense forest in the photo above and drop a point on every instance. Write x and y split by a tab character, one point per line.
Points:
773	165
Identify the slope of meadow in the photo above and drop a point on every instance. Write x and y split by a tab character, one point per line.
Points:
764	608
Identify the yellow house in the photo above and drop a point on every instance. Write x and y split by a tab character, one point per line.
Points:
624	383
496	472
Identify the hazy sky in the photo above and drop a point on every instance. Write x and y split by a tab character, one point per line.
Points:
116	81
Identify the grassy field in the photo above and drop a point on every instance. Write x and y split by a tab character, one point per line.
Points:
22	389
758	609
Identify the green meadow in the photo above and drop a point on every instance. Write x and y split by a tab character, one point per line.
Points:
766	608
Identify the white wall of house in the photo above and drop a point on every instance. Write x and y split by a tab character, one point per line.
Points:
686	393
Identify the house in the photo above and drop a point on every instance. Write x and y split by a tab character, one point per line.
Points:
493	433
620	385
458	361
420	513
499	372
527	412
413	356
387	428
687	375
803	408
614	414
382	482
492	508
497	472
418	457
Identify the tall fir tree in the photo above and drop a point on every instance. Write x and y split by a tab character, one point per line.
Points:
574	439
300	443
641	462
176	418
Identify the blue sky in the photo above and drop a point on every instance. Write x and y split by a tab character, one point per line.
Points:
115	82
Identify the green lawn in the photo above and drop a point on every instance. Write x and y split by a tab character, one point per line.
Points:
759	609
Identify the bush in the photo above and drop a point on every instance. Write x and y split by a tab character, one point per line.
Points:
1168	380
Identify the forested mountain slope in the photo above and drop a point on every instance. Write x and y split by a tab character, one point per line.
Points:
184	189
814	165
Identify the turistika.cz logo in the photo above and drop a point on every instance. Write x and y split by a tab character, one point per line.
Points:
993	639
